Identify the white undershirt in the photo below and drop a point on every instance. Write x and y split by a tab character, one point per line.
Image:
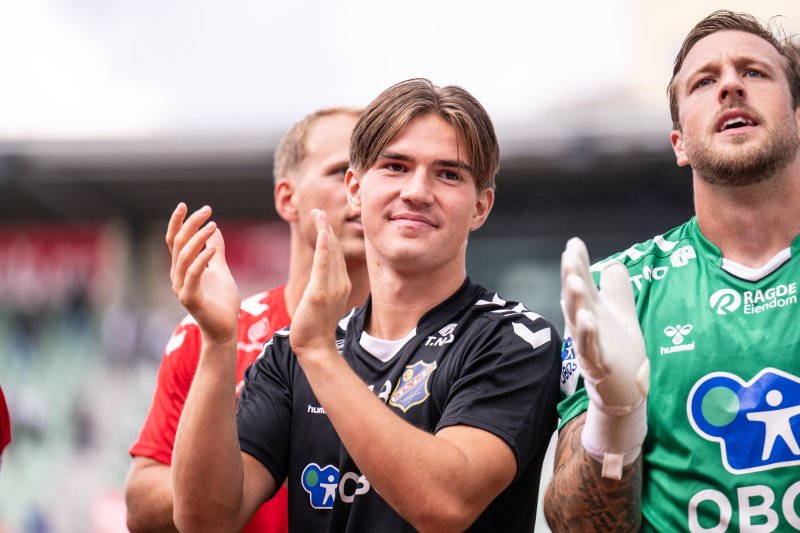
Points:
381	349
755	274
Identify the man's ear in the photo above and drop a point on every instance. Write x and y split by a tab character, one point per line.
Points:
483	206
676	138
353	185
284	200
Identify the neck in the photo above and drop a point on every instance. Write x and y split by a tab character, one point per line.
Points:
751	224
399	299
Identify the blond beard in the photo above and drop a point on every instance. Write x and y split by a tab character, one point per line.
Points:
746	166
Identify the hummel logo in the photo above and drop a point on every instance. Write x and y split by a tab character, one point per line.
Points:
677	332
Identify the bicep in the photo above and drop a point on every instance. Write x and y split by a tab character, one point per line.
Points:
489	462
148	495
259	485
146	474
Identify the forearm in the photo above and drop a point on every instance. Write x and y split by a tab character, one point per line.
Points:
148	497
579	499
207	469
430	481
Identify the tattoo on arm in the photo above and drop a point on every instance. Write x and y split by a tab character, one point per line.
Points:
579	499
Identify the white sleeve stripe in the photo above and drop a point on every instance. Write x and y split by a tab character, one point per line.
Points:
496	300
537	339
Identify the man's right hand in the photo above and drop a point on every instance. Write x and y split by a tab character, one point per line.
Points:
200	276
611	353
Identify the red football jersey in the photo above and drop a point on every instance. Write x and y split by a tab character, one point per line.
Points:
5	423
260	317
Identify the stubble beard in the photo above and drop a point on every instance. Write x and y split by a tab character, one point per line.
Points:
744	166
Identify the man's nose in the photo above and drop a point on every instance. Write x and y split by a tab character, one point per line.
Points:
417	187
731	87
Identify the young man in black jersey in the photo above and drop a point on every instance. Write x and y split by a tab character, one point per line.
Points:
430	408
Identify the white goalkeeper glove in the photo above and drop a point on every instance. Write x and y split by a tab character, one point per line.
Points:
611	353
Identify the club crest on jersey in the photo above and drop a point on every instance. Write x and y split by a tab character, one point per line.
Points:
756	423
258	330
412	389
320	484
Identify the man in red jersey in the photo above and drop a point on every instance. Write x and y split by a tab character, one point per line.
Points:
310	165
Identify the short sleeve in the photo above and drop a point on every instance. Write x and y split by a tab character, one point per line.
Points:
264	414
178	366
509	384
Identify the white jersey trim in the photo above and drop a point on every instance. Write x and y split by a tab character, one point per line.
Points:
756	274
381	349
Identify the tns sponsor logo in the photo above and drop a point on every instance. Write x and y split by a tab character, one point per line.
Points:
725	301
756	423
678	259
445	336
322	485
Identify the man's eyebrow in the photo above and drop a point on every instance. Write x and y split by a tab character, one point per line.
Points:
455	164
398	157
439	162
742	61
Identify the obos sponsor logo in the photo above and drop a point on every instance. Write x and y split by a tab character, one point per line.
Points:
678	334
322	485
569	367
757	425
726	301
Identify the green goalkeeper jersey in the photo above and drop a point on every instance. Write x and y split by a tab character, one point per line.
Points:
722	451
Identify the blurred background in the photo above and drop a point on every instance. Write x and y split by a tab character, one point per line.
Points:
113	112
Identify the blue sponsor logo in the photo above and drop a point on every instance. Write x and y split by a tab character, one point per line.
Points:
569	367
757	423
412	389
321	484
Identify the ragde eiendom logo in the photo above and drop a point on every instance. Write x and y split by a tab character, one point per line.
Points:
725	301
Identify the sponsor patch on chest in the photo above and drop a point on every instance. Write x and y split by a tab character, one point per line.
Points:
756	423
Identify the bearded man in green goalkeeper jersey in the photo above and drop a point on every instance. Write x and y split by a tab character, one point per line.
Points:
692	422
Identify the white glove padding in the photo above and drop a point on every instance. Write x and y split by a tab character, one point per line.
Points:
610	350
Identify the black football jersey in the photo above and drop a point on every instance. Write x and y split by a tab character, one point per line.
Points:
476	360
